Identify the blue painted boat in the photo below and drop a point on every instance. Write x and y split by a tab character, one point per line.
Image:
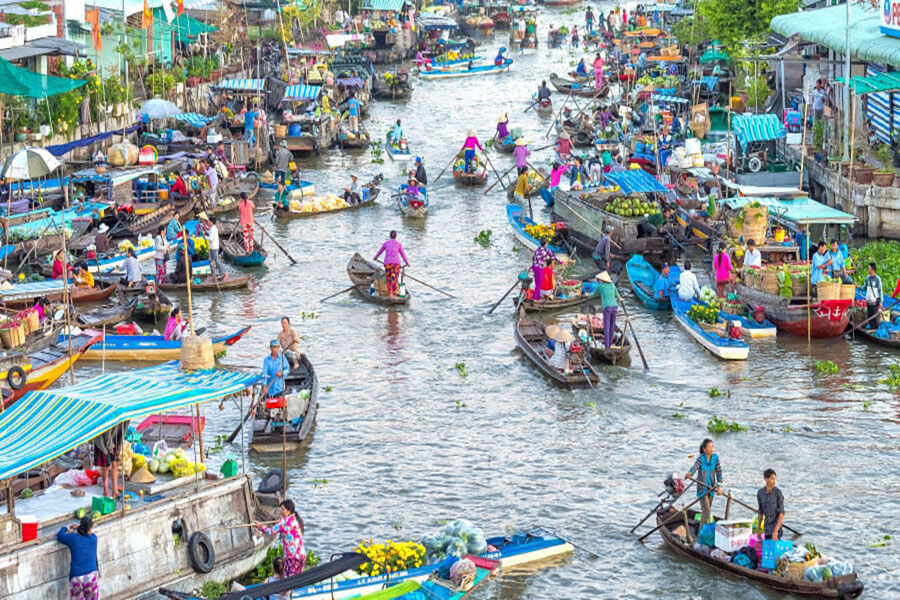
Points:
428	590
518	222
643	276
467	72
270	189
751	327
150	347
416	208
460	63
395	151
720	346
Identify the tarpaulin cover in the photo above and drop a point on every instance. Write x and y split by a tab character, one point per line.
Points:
61	149
712	55
194	119
636	181
393	5
22	82
302	92
750	128
796	210
670	99
45	424
242	85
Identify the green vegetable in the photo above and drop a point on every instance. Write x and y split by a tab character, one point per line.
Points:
26	494
96	515
80	513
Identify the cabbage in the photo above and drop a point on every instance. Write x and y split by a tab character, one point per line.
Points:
164	467
457	548
432	544
477	544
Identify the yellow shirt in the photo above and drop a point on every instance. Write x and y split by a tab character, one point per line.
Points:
85	279
522	184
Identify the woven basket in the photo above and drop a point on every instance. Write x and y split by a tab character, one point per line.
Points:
828	291
733	308
848	291
281	131
13	337
754	225
768	282
757	233
32	322
795	570
571	287
197	353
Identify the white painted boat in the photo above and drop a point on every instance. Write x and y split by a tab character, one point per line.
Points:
719	346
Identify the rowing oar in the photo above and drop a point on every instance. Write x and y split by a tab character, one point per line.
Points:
492	165
405	274
504	296
558	114
240	525
337	294
660	505
274	241
633	334
860	326
449	163
532	105
237	429
670	519
566	538
498	180
747	506
544	147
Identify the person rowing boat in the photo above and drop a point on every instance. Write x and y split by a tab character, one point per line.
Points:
469	147
421	175
393	252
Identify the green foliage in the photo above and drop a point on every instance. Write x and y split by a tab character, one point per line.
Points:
885	254
197	66
27	20
819	135
758	91
893	378
461	369
161	83
735	22
35	5
113	90
483	238
826	367
885	156
714	392
717	425
264	569
212	590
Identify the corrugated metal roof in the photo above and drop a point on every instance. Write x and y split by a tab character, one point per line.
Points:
302	92
749	128
636	181
242	84
828	26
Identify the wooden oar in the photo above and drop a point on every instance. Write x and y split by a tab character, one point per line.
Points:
337	294
241	525
860	326
504	296
449	163
633	334
532	105
405	274
492	166
274	241
498	180
544	147
669	519
558	114
660	505
237	429
747	506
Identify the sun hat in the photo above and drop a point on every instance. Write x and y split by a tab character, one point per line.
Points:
471	133
521	142
604	277
551	330
563	335
203	216
284	143
413	179
564	135
502	119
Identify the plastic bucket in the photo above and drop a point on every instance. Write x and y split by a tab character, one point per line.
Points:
29	527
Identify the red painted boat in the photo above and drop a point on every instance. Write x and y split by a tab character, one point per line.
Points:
177	430
827	319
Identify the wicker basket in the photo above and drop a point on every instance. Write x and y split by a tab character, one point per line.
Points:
281	131
197	353
733	308
848	291
755	224
32	322
828	291
571	287
13	337
795	570
768	282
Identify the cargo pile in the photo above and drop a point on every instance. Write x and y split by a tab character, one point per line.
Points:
631	207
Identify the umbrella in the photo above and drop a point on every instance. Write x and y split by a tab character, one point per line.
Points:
29	163
157	108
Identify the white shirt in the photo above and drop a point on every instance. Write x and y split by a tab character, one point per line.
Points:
162	247
687	285
752	258
213	237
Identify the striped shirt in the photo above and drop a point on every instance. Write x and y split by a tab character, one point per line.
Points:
715	478
541	255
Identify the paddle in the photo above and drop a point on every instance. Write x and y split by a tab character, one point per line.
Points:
504	296
337	294
492	165
498	180
660	505
274	241
449	163
860	326
747	506
544	147
558	114
237	429
669	519
532	105
405	274
633	334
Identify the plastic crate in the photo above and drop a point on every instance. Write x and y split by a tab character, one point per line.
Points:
731	536
772	550
103	504
29	527
229	468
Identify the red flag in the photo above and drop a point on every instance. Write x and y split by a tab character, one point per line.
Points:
180	7
146	17
92	16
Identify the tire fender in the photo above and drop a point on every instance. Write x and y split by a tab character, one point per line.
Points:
201	554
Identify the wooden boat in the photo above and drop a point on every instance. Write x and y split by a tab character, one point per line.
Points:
268	189
531	337
478	177
24	295
642	276
397	152
366	276
151	304
436	586
714	339
302	400
751	327
448	65
43	367
590	289
151	347
178	431
232	282
827	319
845	586
560	2
534	191
348	140
399	90
370	193
506	145
107	315
229	192
542	107
150	222
416	208
234	252
518	222
589	330
584	90
695	226
467	71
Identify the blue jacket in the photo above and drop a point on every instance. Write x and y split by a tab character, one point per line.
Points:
271	366
573	175
83	550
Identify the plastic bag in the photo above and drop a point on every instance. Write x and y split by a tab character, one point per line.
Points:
160	448
477	544
73	478
457	548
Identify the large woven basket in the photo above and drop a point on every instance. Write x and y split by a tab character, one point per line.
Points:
733	308
13	337
197	353
848	291
281	131
769	282
828	291
754	225
32	322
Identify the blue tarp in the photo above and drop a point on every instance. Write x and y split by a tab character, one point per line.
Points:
757	128
636	181
61	149
45	424
671	99
242	85
799	211
194	119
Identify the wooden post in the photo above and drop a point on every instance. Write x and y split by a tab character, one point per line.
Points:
728	506
66	297
687	527
852	148
187	271
284	446
803	143
728	137
808	291
199	431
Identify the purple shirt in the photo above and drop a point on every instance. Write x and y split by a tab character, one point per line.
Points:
393	250
541	255
502	131
521	153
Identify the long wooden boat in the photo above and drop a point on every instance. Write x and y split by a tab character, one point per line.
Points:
569	86
478	177
542	107
152	305
590	290
232	282
590	332
698	228
827	319
150	222
24	295
413	208
448	65
518	222
151	347
437	587
370	193
466	72
234	252
268	189
531	337
107	315
642	276
522	548
229	192
718	344
750	327
845	586
302	401
869	335
178	431
348	140
363	274
506	145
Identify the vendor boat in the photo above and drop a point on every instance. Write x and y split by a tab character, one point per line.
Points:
584	90
476	177
467	71
415	208
397	151
24	295
300	401
370	193
448	65
825	319
107	315
714	338
588	328
518	222
348	139
231	282
750	326
568	294
234	252
531	337
542	107
268	189
178	431
642	276
229	193
151	347
368	280
671	523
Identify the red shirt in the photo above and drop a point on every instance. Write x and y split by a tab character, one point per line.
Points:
178	187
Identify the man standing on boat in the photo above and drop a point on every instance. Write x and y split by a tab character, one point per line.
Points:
353	108
393	252
273	370
215	262
771	507
603	249
283	158
212	177
421	176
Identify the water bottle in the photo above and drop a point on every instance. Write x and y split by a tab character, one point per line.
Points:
371	289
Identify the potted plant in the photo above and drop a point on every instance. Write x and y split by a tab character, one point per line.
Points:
862	171
884	176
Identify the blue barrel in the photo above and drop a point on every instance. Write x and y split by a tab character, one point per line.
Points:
295	130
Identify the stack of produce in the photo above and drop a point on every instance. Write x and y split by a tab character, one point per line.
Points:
317	205
460	165
175	461
456	539
708	295
631	207
754	222
541	232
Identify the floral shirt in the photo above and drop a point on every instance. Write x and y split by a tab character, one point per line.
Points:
541	255
291	539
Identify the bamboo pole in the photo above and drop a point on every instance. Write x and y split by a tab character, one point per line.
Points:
808	291
852	146
728	137
65	275
803	141
187	272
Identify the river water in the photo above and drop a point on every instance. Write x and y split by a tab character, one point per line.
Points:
403	441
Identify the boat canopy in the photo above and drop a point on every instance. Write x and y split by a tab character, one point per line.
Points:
338	40
113	176
194	119
295	93
796	211
242	85
43	425
636	181
750	128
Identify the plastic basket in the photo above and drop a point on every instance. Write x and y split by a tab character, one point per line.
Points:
103	504
772	550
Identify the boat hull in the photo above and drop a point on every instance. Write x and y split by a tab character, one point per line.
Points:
518	222
827	319
718	346
150	348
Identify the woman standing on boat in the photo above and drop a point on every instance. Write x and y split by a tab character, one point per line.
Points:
469	147
722	267
83	574
609	300
502	128
538	261
162	253
245	207
290	530
709	475
393	251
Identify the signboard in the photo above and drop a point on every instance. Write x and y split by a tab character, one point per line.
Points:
890	17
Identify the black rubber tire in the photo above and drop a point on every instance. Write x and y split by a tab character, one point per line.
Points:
272	482
848	591
16	378
201	554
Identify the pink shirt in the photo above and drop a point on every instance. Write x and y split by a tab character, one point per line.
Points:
598	64
556	175
393	250
471	142
246	210
722	265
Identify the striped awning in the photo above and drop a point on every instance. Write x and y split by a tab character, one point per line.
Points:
242	85
750	128
302	92
45	424
194	119
636	181
392	5
670	99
